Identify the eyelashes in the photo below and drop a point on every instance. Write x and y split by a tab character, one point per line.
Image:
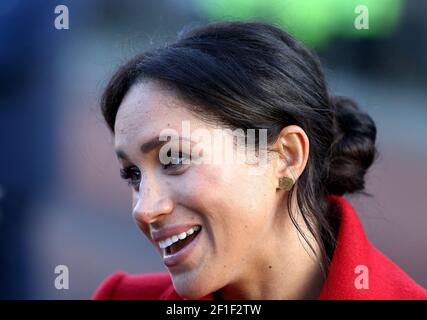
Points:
133	175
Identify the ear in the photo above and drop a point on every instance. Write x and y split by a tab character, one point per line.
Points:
292	147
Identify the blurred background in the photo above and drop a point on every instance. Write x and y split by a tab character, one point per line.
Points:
61	199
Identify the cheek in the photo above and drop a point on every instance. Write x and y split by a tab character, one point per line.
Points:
230	202
211	188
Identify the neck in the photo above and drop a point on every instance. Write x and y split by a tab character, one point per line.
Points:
286	268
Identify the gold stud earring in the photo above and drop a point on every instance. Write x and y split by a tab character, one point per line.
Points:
285	183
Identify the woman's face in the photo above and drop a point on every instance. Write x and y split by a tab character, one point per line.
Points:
235	208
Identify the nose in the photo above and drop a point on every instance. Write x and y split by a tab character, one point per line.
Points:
151	204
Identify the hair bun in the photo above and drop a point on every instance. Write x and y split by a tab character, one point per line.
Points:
353	150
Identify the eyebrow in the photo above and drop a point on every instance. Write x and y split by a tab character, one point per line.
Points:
151	145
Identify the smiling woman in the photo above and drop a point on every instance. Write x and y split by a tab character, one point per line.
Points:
223	231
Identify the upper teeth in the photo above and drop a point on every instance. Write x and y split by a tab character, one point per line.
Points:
169	241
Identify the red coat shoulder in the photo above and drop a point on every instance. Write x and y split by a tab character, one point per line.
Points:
123	286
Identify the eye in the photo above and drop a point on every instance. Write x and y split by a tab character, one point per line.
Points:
176	160
132	175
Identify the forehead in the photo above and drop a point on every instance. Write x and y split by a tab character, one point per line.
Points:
146	110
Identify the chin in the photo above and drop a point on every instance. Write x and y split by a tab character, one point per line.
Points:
190	289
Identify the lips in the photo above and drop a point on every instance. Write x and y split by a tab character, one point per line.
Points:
174	259
167	232
176	253
177	241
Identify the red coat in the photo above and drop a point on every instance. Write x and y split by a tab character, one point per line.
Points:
345	280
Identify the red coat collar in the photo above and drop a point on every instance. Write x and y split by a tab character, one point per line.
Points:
357	270
354	255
